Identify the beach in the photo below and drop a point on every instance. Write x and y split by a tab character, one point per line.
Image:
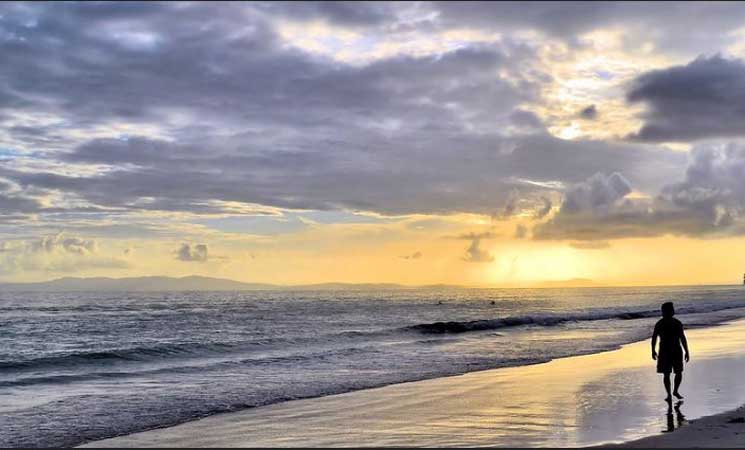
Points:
725	430
606	398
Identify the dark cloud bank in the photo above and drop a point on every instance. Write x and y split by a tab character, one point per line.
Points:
307	133
703	99
220	109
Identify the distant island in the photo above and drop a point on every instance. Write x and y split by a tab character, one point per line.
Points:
190	283
200	283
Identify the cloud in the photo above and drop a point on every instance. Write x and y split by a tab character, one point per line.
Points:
415	255
589	113
17	204
200	110
599	192
341	13
526	120
714	186
58	252
79	245
590	245
177	177
475	254
668	27
700	100
192	253
708	203
323	141
60	242
596	209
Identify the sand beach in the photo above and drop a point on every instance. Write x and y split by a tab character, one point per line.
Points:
607	398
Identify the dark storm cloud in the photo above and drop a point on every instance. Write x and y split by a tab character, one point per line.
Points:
245	75
90	63
558	18
337	12
240	116
677	26
703	99
474	178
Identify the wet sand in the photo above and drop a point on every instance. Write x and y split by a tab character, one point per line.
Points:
604	398
719	431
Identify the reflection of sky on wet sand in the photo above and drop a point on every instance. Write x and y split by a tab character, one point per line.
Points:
577	401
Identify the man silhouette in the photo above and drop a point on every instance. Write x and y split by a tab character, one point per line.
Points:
670	357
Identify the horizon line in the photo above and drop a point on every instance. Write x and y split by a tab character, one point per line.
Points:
539	285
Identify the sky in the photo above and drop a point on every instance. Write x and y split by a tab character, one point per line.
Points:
490	144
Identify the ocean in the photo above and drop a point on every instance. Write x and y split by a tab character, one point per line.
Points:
77	367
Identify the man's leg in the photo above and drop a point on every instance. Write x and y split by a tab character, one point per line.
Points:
678	380
666	380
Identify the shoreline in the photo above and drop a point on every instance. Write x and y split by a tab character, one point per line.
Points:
498	406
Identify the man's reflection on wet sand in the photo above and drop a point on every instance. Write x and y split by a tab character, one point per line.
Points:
673	418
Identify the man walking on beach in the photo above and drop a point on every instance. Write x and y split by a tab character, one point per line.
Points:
670	357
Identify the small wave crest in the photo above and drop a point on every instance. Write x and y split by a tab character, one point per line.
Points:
127	354
184	350
553	320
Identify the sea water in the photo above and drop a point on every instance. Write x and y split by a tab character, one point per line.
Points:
76	367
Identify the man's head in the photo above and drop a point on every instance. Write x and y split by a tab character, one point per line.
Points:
668	310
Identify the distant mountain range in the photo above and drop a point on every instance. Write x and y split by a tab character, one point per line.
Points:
191	283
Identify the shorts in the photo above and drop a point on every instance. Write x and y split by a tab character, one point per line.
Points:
670	362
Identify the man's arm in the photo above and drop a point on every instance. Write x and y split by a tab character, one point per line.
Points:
684	341
654	344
